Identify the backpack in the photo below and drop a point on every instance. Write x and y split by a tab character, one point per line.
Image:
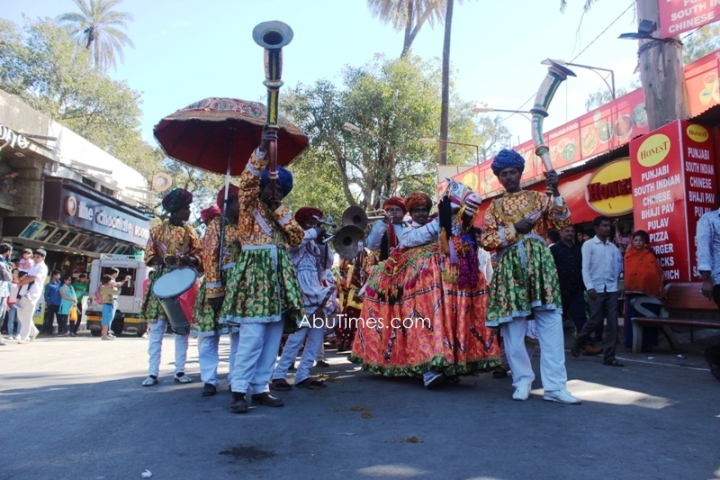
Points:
97	299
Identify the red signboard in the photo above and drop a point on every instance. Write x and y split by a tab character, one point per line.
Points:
678	16
601	130
674	183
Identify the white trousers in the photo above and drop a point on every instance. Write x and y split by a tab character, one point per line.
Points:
25	317
257	351
209	357
315	337
552	350
157	333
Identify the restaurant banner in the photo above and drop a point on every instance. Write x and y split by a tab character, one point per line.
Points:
674	183
601	130
679	16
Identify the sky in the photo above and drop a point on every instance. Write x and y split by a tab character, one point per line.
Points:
188	50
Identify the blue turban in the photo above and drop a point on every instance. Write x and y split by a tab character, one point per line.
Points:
284	180
176	200
507	159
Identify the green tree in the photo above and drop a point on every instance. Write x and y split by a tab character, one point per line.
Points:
394	103
701	42
408	15
97	27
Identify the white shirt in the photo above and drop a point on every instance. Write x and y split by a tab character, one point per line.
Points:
601	265
40	272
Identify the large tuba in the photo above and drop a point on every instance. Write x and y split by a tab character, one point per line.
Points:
273	36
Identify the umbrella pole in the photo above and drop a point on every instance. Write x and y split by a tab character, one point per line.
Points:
223	220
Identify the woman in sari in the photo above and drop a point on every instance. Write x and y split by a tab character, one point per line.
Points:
643	276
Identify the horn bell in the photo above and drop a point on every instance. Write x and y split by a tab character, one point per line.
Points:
346	241
272	35
355	216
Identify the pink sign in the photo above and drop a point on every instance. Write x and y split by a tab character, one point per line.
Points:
678	16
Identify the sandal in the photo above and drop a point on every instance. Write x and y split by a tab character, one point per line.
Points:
281	385
614	363
312	383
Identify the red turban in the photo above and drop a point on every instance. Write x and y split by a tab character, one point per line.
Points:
395	202
209	213
233	192
418	199
306	213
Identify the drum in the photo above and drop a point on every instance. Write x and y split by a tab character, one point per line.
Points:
168	289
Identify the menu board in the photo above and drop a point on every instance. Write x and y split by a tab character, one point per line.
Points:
673	182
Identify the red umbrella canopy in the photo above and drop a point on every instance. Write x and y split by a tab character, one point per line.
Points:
209	133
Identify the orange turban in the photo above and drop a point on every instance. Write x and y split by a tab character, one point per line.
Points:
418	199
395	202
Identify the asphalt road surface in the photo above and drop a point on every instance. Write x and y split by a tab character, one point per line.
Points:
73	408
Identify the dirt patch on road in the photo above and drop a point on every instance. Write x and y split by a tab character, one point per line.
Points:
248	453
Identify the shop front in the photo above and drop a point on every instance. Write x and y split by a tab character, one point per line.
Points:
78	224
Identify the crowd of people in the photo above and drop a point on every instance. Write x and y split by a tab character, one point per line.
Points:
425	298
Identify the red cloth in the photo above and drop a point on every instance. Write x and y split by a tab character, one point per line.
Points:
306	213
418	199
209	213
232	192
395	202
187	301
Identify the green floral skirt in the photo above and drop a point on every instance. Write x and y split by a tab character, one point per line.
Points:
262	288
525	278
206	319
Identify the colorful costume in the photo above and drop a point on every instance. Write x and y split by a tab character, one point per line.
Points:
383	238
166	240
206	328
262	288
525	283
352	275
311	261
424	310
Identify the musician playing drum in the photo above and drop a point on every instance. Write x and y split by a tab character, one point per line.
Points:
207	329
172	242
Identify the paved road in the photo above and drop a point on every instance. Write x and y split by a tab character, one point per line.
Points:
74	409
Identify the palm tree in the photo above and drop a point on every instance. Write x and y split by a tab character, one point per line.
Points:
409	15
95	27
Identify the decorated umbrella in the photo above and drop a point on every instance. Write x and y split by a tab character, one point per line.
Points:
220	134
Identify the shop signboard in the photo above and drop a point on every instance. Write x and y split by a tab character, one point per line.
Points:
673	182
679	16
601	130
93	213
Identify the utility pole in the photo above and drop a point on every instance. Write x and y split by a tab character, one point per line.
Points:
445	99
661	73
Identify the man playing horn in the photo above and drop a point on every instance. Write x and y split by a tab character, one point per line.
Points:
525	282
173	241
381	236
312	260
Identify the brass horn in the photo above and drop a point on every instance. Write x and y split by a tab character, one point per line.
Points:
356	216
348	241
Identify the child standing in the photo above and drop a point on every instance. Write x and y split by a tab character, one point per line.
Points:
109	294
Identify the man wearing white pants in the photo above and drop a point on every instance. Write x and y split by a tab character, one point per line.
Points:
311	260
31	287
209	359
525	282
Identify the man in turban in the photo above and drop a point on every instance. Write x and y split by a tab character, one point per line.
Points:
525	282
207	327
312	261
381	236
262	292
171	242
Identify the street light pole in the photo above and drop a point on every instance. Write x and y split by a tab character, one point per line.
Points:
611	85
437	140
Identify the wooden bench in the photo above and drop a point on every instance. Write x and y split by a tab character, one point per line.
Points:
682	299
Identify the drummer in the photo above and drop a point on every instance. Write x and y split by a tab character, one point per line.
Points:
210	297
172	242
